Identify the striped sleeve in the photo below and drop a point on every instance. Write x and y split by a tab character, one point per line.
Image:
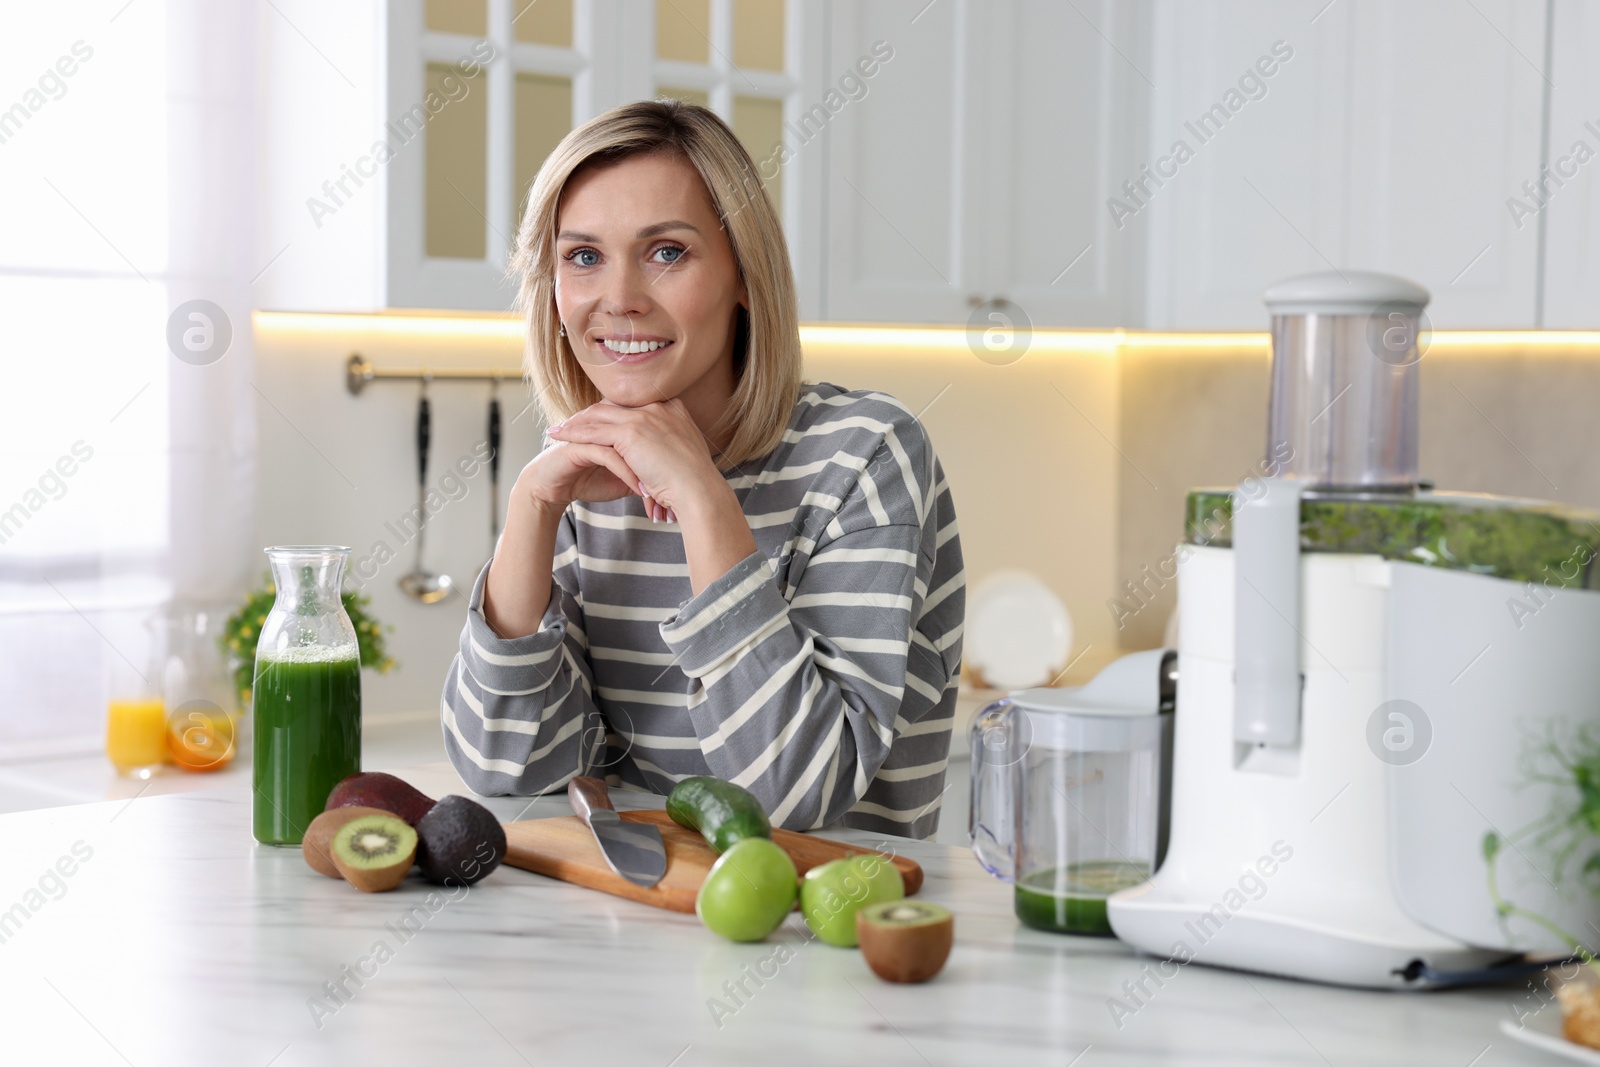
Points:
518	714
798	694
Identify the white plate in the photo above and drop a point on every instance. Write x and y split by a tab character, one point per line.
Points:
1018	632
1543	1031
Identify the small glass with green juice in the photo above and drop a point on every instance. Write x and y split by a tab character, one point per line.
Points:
306	698
1069	791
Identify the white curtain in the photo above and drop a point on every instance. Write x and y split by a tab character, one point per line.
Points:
127	167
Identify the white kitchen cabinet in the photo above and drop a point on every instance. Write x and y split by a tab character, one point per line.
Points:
759	64
1570	198
1101	163
1387	140
975	165
1445	125
397	134
402	136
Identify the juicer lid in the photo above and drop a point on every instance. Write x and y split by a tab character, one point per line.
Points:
1353	292
1127	686
1070	699
1068	719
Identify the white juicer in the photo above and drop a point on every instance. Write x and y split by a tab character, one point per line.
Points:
1388	716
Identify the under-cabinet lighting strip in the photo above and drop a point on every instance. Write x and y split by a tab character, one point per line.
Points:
919	338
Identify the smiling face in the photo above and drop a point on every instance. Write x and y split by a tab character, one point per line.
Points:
647	286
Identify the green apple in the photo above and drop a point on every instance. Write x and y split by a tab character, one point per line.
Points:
832	893
748	892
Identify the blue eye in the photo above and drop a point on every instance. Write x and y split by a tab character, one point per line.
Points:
583	252
677	253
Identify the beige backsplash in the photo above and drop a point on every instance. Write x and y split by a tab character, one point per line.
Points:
1071	464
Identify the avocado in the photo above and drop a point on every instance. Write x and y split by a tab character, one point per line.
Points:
461	842
375	789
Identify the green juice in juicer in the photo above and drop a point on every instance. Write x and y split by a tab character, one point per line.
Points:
1068	790
1072	899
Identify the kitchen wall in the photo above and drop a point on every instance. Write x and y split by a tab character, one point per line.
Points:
1033	469
1071	462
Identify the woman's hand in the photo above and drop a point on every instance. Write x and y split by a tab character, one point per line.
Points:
517	591
659	443
567	471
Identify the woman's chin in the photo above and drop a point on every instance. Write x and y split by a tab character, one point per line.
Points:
636	391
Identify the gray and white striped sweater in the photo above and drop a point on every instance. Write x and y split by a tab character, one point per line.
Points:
819	672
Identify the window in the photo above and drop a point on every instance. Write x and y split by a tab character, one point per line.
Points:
125	473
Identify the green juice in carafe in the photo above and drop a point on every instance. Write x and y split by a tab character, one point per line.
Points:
1072	899
307	710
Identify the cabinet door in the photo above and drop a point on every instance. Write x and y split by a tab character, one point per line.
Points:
759	64
1570	197
321	195
478	92
901	229
1247	140
1063	99
1445	106
1387	142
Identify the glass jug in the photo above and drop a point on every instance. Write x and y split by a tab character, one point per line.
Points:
307	693
1069	794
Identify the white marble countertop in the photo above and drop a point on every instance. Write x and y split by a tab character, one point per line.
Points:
181	941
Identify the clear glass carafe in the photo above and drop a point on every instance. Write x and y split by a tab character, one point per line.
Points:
306	698
1066	803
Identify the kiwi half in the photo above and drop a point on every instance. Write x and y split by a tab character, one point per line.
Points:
905	940
374	852
319	837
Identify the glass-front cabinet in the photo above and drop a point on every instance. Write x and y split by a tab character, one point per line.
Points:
417	127
731	58
502	81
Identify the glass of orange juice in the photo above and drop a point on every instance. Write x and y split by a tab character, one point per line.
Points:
136	720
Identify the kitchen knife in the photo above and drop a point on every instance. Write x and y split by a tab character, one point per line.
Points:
633	850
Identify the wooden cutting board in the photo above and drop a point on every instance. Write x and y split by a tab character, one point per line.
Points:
564	848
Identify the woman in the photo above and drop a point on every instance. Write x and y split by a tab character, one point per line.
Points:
711	568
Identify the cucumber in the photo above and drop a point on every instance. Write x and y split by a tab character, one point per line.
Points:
725	813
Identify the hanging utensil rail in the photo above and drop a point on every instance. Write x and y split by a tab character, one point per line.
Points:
359	371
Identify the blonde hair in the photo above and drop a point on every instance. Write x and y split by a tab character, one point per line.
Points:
767	360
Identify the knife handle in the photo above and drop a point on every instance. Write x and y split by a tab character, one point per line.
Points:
588	794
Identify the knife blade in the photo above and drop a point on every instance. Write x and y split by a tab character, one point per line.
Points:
633	850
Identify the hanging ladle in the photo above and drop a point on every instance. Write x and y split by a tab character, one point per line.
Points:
420	583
